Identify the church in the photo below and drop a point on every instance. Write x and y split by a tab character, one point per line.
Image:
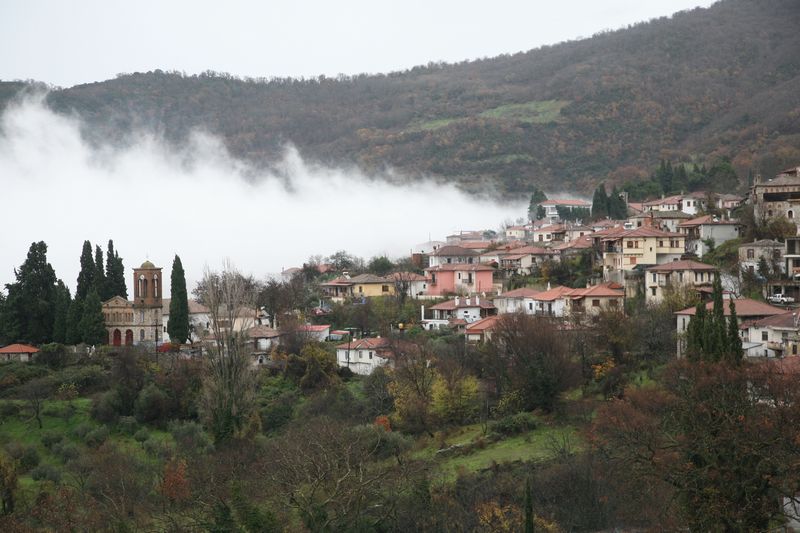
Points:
138	321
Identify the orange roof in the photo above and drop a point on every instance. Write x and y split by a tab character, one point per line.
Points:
19	348
607	290
553	294
523	292
483	324
365	344
745	307
686	264
669	200
707	219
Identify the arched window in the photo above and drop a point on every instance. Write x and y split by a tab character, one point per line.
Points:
141	334
140	287
790	214
144	289
155	286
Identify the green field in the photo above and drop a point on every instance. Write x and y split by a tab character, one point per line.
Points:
535	112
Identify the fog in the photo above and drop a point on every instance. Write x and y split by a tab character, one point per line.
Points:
200	203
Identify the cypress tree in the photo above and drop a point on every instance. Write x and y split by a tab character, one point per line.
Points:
719	324
734	340
63	301
74	335
600	202
87	274
178	324
30	308
695	334
92	325
99	274
115	273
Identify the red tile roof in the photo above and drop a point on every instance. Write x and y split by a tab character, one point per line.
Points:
365	344
312	327
669	200
482	325
552	294
707	220
686	264
745	307
19	348
523	292
784	320
601	291
263	332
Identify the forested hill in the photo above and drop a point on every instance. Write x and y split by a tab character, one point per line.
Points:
707	83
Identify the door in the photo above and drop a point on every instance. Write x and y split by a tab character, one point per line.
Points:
129	338
117	337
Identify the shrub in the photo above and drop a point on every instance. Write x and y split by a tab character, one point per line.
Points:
9	409
46	472
54	411
66	451
345	373
151	404
81	430
514	424
278	410
141	436
29	458
106	408
96	437
127	425
190	436
50	438
159	448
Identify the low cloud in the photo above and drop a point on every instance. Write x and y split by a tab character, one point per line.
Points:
197	201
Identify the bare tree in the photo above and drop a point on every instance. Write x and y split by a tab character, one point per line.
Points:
229	386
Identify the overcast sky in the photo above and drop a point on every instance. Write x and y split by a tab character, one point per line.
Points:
69	42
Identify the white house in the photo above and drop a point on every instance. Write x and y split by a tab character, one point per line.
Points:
705	230
362	356
464	310
516	301
199	320
773	336
552	302
675	275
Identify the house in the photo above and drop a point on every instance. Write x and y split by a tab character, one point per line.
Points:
139	320
410	283
694	202
775	197
751	254
663	220
706	232
199	320
362	356
516	232
773	336
552	207
625	251
459	278
263	339
420	253
516	301
465	235
521	260
361	286
481	330
728	202
574	232
547	233
453	255
594	299
670	203
552	302
676	275
17	352
318	333
467	309
747	310
481	246
574	247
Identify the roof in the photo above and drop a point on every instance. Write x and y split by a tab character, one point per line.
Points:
19	348
406	276
581	203
365	344
148	265
745	307
451	305
686	264
707	219
669	200
195	307
369	278
483	324
313	328
451	250
460	267
263	332
604	290
552	294
663	214
575	244
784	320
641	232
764	243
527	250
475	245
524	292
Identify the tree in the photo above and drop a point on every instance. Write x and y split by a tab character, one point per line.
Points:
29	311
35	393
454	396
63	300
178	324
8	484
115	274
529	524
228	400
92	325
74	333
537	197
380	265
600	202
86	276
100	282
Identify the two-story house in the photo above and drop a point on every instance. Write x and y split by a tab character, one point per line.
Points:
676	275
707	232
594	299
752	253
460	310
773	336
516	301
638	248
453	255
459	278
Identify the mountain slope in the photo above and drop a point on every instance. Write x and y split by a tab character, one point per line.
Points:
700	85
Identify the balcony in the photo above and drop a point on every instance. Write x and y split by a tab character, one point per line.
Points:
775	346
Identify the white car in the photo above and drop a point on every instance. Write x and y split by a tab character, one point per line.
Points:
780	299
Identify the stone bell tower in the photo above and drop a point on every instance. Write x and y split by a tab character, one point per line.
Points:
147	291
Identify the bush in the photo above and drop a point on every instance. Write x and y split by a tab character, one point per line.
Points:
80	431
514	424
46	472
66	451
96	437
382	443
141	436
345	373
51	438
106	408
127	425
277	411
190	436
151	404
159	448
9	409
29	458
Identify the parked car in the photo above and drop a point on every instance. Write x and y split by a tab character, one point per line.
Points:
780	299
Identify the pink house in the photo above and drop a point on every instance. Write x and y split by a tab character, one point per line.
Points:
458	278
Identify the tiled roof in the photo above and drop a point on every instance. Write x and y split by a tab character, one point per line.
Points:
784	320
406	276
523	292
365	344
461	267
643	232
369	278
669	200
19	348
686	264
705	220
195	307
313	328
483	324
552	294
581	203
663	214
454	251
745	307
764	243
602	290
263	332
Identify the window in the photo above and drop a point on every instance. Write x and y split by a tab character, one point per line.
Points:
751	254
370	355
155	286
449	260
660	244
141	334
530	306
595	303
360	289
633	260
680	277
141	317
140	286
384	288
630	244
764	336
790	214
653	291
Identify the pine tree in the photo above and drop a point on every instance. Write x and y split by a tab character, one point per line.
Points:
30	307
87	274
178	324
115	274
63	301
74	335
99	274
92	323
735	353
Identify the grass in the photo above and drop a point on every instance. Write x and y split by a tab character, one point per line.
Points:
431	125
535	112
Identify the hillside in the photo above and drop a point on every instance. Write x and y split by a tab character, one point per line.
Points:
697	86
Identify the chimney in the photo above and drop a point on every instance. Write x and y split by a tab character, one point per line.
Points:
477	301
458	300
422	312
466	300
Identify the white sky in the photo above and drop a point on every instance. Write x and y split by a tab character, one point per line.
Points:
66	42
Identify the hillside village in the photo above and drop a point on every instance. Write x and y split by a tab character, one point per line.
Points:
556	351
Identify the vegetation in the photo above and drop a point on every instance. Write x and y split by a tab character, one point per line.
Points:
178	324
